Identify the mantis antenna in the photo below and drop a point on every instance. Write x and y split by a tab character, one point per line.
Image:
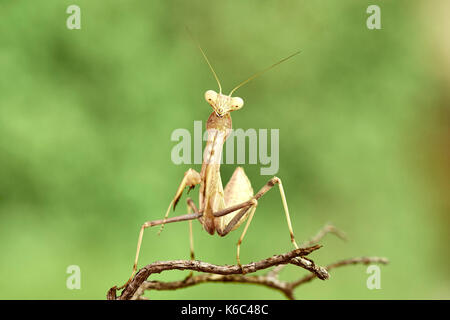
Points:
206	58
263	71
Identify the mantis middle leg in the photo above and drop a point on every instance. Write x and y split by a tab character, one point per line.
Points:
191	178
247	210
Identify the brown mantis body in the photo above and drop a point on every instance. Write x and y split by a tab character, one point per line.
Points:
222	210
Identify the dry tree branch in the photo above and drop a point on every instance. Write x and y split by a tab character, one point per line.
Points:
267	280
194	265
214	273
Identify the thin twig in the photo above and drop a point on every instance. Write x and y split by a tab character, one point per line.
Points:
360	260
328	228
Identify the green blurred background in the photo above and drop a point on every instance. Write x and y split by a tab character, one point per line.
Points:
86	117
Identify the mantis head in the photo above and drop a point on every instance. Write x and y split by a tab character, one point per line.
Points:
223	104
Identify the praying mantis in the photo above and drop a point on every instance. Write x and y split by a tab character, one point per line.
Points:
221	210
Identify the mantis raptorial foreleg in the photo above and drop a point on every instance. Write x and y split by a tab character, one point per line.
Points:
191	179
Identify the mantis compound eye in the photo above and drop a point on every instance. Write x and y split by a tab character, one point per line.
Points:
236	103
210	96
